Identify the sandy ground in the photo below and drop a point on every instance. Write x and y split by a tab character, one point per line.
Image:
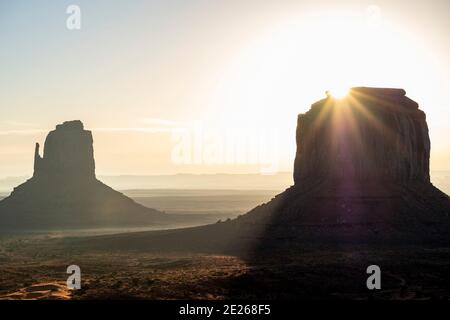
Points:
31	269
40	291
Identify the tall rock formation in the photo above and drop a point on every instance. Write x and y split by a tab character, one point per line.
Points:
68	154
64	191
361	177
373	134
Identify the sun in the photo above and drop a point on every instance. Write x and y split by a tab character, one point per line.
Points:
284	68
339	92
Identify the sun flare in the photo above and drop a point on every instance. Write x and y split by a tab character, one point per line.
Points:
339	92
296	61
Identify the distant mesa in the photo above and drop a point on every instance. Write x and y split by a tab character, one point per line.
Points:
361	177
64	192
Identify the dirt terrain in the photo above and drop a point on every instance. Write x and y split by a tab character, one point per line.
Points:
36	269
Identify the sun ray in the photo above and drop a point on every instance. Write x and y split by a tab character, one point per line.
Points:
379	126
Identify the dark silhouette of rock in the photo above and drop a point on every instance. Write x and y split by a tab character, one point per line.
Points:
68	153
361	178
374	134
64	191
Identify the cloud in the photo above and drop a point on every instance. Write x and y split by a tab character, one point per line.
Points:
155	126
139	130
22	132
162	122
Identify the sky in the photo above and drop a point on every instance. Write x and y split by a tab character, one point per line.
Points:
196	86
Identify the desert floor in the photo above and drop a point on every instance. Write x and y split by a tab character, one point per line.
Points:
32	268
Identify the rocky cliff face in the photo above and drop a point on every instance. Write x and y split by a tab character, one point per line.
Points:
361	179
68	153
64	192
373	134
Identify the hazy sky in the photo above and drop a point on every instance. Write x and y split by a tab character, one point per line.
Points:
153	79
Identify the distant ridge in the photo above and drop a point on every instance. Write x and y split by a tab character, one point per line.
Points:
278	181
222	181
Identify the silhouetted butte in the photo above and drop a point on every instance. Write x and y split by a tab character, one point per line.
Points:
361	177
65	193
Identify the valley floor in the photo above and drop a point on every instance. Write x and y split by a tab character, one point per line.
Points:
34	269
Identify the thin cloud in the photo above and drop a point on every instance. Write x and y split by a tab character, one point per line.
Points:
156	126
161	122
22	132
140	130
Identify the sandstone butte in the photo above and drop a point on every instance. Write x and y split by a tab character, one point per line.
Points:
64	192
361	177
